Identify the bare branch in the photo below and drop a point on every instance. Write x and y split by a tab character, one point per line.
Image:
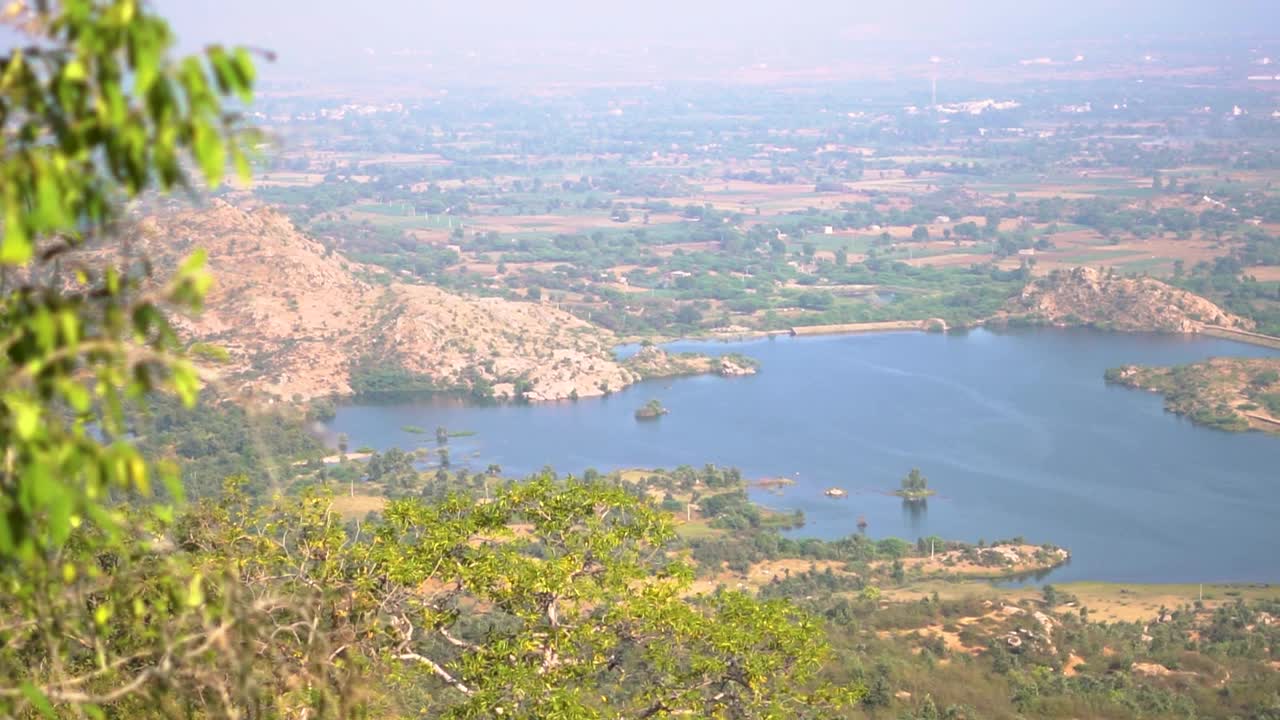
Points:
435	668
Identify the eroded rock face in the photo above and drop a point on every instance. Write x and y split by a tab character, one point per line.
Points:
730	368
556	355
1088	296
295	317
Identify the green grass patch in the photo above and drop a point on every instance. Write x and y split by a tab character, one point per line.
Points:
698	529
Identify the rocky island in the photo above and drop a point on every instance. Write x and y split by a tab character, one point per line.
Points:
652	410
651	362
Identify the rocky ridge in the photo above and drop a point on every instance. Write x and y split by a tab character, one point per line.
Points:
296	318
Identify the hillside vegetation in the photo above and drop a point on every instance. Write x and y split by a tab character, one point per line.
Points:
1226	393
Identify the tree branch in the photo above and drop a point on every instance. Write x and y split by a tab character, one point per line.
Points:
439	671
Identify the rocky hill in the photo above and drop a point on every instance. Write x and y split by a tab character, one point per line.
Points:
300	321
1085	296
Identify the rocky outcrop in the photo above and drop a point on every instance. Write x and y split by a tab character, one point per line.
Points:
1085	296
734	367
296	318
520	347
650	362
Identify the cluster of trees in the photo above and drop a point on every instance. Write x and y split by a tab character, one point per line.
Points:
437	608
219	438
1227	282
119	602
914	486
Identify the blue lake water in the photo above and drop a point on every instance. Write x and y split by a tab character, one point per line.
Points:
1017	432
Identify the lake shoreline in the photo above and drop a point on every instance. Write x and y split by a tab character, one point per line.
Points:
1223	393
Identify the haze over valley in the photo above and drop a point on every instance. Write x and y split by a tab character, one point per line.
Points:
581	360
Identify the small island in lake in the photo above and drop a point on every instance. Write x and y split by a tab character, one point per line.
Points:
652	362
1234	394
915	487
652	410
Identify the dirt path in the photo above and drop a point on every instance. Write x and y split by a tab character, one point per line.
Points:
849	328
1244	336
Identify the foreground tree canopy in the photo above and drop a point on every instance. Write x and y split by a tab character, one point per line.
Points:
553	600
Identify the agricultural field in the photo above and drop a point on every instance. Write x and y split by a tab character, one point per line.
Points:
663	213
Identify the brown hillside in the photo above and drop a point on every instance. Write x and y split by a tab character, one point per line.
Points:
1085	296
297	318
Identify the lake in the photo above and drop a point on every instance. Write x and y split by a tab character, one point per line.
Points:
1017	432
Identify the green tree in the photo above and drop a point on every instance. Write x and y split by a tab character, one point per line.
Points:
880	693
688	315
579	615
394	469
928	710
1264	378
93	111
915	482
920	233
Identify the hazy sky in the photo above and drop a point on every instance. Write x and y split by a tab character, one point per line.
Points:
315	25
316	32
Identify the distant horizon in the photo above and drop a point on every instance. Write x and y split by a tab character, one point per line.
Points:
568	40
